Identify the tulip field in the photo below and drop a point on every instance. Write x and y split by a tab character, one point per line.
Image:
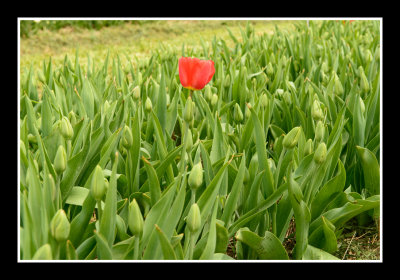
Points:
224	152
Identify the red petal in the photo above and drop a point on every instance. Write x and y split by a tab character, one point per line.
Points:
195	73
203	74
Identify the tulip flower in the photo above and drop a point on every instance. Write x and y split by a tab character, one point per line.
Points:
195	73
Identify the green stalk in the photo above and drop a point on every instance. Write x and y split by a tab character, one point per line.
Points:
136	249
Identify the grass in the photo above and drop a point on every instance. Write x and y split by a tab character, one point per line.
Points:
133	40
359	242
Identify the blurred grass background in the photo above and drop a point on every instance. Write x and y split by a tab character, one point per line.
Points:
40	40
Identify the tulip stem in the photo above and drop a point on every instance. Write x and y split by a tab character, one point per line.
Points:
136	249
99	210
190	93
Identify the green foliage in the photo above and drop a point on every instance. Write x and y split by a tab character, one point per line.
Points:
293	132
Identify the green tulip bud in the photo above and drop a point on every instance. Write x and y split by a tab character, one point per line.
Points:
22	148
136	93
106	105
188	111
127	138
362	105
193	219
59	226
207	93
368	56
227	81
214	99
264	100
148	105
60	160
237	113
66	128
72	118
294	191
270	69
135	219
363	80
196	176
98	188
247	111
43	253
139	78
316	111
286	97
32	138
308	148
290	140
319	131
279	91
188	141
320	153
338	86
167	100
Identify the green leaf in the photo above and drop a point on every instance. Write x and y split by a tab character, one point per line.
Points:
167	249
233	196
267	248
108	219
103	250
313	253
371	169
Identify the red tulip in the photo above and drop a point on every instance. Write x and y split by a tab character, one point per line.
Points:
195	73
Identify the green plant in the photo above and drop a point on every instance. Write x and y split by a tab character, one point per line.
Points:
287	127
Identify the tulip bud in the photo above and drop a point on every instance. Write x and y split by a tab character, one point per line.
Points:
135	219
316	111
362	105
136	93
66	128
247	112
32	138
264	100
193	219
196	176
368	56
237	113
363	80
290	139
338	85
270	69
72	118
320	153
188	111
214	99
60	160
308	148
207	93
148	105
43	253
139	78
319	131
286	97
279	91
294	191
59	226
188	140
168	100
127	138
227	81
22	148
98	188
